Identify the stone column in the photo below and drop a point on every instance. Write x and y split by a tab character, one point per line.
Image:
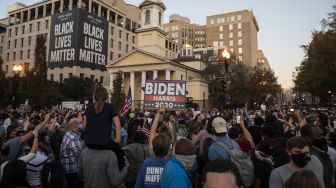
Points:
70	4
79	4
90	6
52	8
108	15
36	13
143	80
44	11
28	17
167	74
132	84
62	6
99	10
21	17
155	74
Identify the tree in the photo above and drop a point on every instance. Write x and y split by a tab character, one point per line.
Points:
316	73
77	89
118	95
239	89
40	63
3	89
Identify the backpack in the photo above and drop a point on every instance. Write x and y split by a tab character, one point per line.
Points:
243	163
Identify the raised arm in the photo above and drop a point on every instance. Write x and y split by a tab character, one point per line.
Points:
155	125
116	122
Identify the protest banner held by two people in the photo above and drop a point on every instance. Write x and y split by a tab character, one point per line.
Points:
171	94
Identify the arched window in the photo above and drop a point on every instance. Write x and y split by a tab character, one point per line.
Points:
147	16
160	18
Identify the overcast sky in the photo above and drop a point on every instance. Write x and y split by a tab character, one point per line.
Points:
284	25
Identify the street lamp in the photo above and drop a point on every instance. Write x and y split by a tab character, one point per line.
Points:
17	69
226	55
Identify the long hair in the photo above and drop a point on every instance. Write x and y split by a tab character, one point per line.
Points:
14	174
100	96
303	179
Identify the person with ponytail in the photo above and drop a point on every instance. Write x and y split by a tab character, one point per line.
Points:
98	119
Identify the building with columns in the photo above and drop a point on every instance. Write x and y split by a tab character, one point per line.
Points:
155	58
18	32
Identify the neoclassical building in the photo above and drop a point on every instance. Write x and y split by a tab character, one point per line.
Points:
151	60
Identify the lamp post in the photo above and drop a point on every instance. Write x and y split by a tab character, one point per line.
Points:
17	69
226	57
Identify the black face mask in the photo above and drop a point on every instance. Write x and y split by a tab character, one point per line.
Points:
301	160
321	144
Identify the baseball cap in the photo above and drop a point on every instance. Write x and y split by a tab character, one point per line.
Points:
220	125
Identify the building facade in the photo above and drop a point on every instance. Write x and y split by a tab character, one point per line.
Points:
19	30
150	60
183	32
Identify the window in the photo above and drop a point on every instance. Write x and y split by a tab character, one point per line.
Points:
231	43
92	77
23	29
120	33
16	31
147	17
215	43
70	75
240	58
221	28
26	67
30	28
239	25
28	54
232	18
221	43
21	42
9	32
0	49
239	34
29	40
38	26
119	45
119	55
6	69
127	34
240	42
112	30
133	39
160	18
81	76
15	42
111	43
14	55
212	21
239	17
101	79
230	27
218	20
61	78
46	24
240	50
222	20
231	35
8	45
52	77
7	57
111	55
21	52
175	28
227	19
221	36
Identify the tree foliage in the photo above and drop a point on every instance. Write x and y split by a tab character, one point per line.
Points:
40	63
118	94
77	89
316	73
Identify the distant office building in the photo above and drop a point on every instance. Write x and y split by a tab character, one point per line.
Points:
19	30
236	31
183	32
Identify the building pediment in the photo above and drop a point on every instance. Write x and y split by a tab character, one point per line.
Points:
138	57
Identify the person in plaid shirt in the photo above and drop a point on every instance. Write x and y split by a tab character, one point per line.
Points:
71	148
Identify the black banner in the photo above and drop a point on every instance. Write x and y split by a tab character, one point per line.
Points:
78	38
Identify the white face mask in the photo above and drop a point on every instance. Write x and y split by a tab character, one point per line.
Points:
81	126
187	160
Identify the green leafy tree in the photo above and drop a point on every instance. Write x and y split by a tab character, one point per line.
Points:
40	63
77	89
240	90
316	73
3	86
118	95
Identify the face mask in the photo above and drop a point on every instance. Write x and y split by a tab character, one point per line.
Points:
301	160
321	144
187	160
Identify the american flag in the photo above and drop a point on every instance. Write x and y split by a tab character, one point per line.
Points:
128	103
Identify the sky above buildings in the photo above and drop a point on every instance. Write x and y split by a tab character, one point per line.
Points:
284	25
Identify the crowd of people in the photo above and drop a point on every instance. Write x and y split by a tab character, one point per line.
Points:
273	146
